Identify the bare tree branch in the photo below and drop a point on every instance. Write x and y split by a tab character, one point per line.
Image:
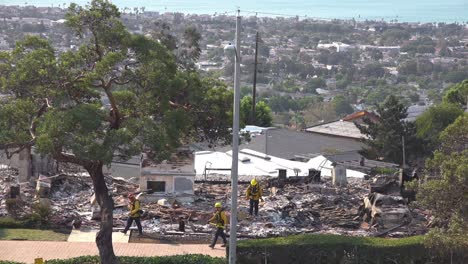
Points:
10	154
42	110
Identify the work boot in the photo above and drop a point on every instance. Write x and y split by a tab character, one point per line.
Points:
211	246
124	232
223	245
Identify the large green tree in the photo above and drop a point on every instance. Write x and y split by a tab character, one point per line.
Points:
263	115
458	94
445	192
186	47
385	137
56	101
434	120
342	106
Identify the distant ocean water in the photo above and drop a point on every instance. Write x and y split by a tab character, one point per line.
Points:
402	10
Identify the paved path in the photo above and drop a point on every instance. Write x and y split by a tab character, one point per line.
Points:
27	251
90	236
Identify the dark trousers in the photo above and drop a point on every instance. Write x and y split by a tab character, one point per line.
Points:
129	224
219	232
253	204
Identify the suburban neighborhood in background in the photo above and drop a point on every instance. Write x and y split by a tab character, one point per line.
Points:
352	128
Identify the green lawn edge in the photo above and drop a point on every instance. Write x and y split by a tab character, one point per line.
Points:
333	240
29	234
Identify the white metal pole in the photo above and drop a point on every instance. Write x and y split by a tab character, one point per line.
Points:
235	148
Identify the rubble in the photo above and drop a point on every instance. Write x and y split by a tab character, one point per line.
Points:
289	207
386	210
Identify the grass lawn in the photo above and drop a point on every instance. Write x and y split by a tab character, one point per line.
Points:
32	234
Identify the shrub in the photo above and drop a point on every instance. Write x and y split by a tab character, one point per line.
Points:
14	207
41	212
10	222
29	221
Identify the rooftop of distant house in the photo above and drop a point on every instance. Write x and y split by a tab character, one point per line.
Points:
287	144
344	127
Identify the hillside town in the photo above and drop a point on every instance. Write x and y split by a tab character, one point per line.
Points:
299	72
347	129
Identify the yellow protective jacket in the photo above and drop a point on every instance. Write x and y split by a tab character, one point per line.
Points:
134	208
219	219
254	192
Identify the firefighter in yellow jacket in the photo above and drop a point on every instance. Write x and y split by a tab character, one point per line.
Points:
219	219
134	214
254	194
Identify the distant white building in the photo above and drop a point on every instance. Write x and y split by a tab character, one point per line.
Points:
339	46
208	66
381	48
255	164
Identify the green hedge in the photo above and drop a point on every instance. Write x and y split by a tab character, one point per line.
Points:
180	259
340	249
30	221
10	222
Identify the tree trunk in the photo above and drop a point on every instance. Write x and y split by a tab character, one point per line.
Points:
104	236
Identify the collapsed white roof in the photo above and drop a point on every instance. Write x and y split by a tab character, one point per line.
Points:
253	163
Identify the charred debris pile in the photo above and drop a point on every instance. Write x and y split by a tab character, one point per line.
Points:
363	207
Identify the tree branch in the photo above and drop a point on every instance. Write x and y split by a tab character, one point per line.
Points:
96	44
20	147
70	158
176	105
116	117
32	131
42	110
17	146
121	82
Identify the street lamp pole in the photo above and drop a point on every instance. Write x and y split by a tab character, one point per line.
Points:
235	148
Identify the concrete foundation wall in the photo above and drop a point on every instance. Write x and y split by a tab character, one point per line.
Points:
169	180
123	170
43	164
24	166
29	164
339	175
13	162
184	184
174	184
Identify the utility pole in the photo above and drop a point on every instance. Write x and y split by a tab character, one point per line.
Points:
254	88
403	145
235	147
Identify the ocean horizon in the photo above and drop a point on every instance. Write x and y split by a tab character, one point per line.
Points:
400	10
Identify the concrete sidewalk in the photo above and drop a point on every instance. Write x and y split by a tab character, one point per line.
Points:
27	251
90	236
